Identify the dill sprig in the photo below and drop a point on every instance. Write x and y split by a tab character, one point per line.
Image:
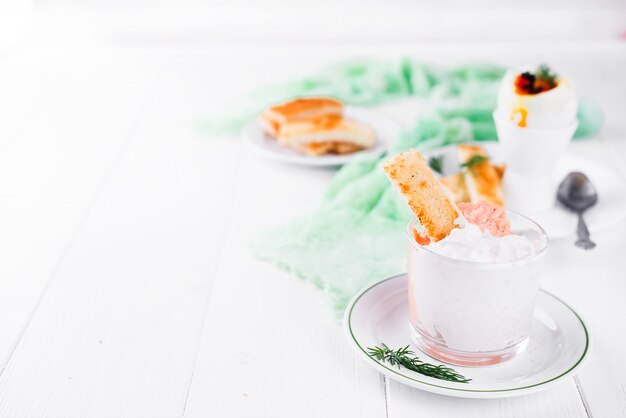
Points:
436	163
475	160
544	73
403	357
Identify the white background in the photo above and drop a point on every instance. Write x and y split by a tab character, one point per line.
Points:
127	288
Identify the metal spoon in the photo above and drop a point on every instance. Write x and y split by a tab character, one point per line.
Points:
578	194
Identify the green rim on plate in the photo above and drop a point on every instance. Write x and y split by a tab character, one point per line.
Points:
584	353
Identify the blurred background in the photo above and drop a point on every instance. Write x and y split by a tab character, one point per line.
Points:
300	21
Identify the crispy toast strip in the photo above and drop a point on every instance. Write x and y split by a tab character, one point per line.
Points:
455	184
410	173
483	179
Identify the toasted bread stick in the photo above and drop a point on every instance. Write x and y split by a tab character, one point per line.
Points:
410	173
455	184
482	179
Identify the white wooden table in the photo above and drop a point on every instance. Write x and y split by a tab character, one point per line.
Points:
127	287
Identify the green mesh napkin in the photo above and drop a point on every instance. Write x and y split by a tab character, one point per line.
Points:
468	91
356	236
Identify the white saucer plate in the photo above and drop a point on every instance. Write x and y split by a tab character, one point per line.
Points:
386	130
557	221
557	347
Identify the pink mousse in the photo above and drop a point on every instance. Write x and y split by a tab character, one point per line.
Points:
487	216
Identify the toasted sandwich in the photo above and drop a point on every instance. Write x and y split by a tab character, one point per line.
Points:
275	117
329	134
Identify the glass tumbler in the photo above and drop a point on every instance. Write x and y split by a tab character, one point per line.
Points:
471	313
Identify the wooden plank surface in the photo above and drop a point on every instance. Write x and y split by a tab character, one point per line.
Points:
63	126
117	331
157	307
271	345
562	401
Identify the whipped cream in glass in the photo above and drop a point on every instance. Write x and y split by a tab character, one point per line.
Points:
469	243
472	295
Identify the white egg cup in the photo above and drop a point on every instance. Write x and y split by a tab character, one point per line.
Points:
530	155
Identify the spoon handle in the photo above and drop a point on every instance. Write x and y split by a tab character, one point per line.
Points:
583	234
